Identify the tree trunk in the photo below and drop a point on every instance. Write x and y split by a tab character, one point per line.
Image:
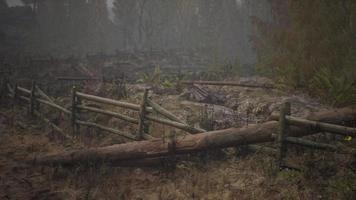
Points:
232	137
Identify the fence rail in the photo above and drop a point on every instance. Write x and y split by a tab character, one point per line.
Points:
35	97
282	139
151	111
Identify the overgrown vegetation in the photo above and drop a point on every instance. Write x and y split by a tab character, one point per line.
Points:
310	45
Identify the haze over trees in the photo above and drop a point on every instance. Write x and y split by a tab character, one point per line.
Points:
298	43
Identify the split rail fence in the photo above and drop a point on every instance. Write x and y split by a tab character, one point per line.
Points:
147	111
151	111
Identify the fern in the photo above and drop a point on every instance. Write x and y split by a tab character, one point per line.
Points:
335	89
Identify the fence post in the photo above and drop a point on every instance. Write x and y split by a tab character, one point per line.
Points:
282	134
3	89
32	98
142	126
74	108
14	97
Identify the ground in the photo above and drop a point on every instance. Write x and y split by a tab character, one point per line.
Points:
227	174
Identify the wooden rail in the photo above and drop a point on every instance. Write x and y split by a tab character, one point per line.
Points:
67	78
109	113
174	124
148	107
285	121
163	111
53	105
108	101
319	126
24	90
53	126
227	83
104	128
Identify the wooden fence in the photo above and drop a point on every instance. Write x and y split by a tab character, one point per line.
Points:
283	140
147	111
151	111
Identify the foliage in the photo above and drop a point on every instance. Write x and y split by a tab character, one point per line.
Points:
154	78
157	79
338	88
305	46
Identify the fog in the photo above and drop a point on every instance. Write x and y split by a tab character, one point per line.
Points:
218	29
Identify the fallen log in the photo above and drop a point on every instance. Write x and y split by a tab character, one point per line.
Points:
232	137
227	83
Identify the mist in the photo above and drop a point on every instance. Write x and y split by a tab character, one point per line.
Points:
221	30
177	99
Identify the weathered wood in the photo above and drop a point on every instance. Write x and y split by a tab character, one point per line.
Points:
322	127
346	114
311	144
260	148
174	124
282	133
11	90
232	137
24	90
109	101
74	109
28	100
67	78
53	126
227	83
14	100
109	113
44	95
164	112
53	105
104	128
142	126
32	98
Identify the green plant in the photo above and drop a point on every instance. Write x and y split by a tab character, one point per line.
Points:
152	79
338	89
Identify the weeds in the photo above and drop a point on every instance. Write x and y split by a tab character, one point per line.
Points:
336	89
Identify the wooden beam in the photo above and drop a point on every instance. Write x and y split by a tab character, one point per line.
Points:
282	133
32	98
24	90
322	127
53	126
110	101
311	144
142	126
44	95
232	137
164	112
53	105
67	78
227	83
174	124
109	113
104	128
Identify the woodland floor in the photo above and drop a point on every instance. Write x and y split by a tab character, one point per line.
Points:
222	174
